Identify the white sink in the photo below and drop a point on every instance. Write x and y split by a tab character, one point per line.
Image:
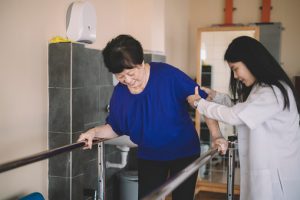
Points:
123	140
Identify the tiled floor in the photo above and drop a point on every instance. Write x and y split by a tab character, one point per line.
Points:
216	171
212	183
213	196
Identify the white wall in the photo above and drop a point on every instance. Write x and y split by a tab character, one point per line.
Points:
26	28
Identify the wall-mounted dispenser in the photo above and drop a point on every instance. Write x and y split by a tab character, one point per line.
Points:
81	22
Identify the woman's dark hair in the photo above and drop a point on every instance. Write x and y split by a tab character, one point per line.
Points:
122	52
261	64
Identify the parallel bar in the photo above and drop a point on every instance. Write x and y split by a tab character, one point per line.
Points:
230	171
43	155
176	180
101	172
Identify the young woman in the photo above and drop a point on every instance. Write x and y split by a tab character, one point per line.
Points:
266	114
150	105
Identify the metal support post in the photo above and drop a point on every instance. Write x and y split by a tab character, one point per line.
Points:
231	167
101	171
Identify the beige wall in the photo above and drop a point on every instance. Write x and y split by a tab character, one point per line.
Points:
177	33
161	25
143	19
206	12
26	28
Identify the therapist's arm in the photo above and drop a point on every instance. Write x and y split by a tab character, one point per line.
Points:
216	137
219	112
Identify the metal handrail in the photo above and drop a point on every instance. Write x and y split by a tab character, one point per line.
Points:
179	178
44	155
157	194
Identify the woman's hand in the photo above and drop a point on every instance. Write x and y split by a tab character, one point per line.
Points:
87	137
194	98
210	92
221	144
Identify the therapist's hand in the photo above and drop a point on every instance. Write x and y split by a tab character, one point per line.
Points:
193	98
210	92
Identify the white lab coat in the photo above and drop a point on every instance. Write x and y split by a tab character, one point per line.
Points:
269	142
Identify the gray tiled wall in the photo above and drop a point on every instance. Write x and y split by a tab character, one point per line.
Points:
79	91
152	57
270	37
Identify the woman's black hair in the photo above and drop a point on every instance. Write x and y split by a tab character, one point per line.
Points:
122	52
261	64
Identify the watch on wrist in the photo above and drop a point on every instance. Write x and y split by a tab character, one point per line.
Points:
196	102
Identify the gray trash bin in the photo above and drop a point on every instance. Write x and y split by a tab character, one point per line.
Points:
129	185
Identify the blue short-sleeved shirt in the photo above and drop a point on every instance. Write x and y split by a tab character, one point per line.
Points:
157	119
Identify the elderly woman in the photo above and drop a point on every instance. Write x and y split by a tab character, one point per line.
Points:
149	105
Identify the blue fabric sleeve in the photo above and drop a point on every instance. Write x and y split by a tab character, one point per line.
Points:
202	93
113	119
186	85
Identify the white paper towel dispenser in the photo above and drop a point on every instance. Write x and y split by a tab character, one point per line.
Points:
81	22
